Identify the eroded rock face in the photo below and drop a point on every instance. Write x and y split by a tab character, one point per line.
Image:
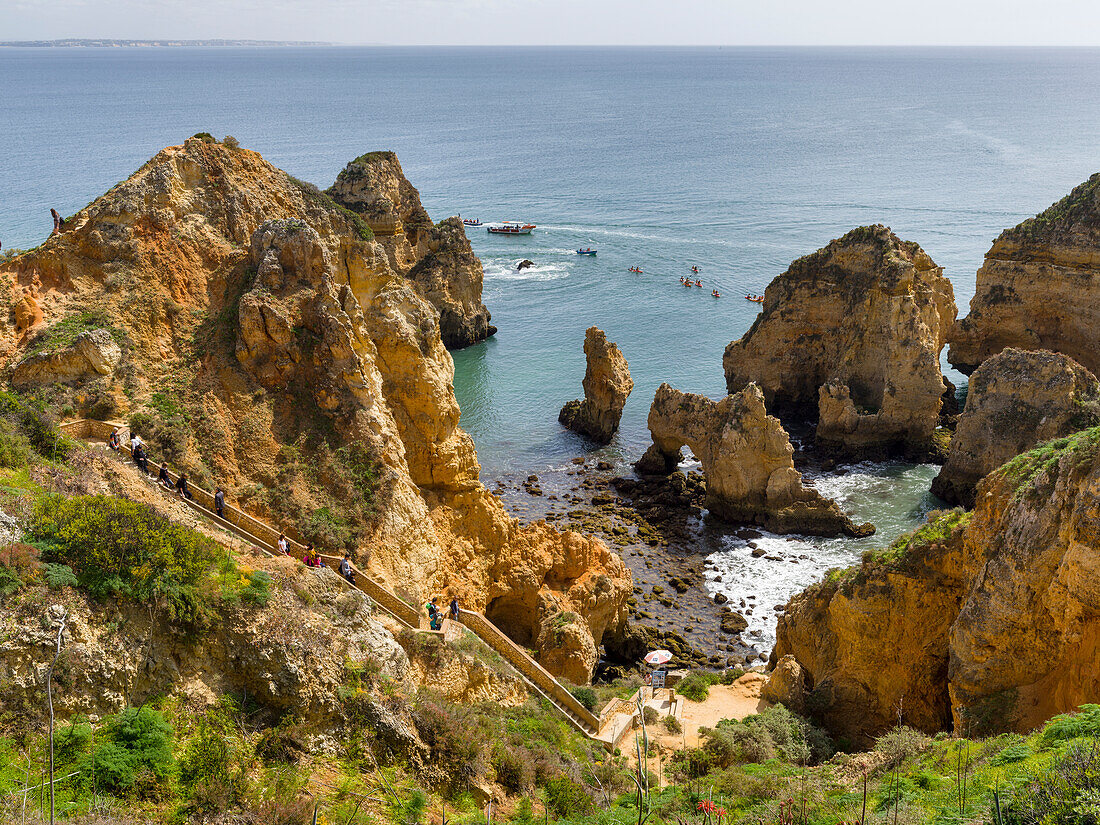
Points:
92	354
607	384
851	336
450	276
290	323
986	621
437	258
747	459
1017	399
1039	287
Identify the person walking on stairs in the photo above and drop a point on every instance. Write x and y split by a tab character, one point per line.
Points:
219	502
345	569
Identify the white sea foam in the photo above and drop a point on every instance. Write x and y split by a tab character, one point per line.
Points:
896	492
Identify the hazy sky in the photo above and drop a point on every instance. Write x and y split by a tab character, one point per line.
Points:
628	22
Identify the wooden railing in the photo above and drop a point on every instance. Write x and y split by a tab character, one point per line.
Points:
535	673
265	537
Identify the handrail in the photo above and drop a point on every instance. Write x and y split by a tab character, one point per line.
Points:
252	530
519	658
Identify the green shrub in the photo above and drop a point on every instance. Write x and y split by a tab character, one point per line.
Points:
1013	753
515	770
586	696
1084	722
566	798
121	548
650	715
672	724
1068	791
258	590
206	755
36	424
453	747
774	732
205	137
134	754
695	687
327	530
15	449
899	744
231	142
60	575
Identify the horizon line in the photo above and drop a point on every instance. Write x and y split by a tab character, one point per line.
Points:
232	42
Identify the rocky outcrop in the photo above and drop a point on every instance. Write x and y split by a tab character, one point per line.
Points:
1039	287
607	384
1016	399
747	459
284	656
786	685
437	258
449	275
28	313
267	316
851	336
92	354
1026	640
986	621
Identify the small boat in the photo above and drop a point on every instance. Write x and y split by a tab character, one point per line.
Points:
635	270
756	299
510	228
589	251
471	222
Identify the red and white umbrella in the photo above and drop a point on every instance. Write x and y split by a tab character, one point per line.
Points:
658	657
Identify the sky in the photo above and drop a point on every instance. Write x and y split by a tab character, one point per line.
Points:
567	22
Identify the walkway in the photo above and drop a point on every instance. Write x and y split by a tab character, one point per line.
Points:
607	728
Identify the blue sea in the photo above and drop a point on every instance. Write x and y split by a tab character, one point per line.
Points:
733	160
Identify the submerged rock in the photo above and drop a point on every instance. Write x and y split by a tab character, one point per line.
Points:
1039	287
607	385
747	459
1016	400
851	336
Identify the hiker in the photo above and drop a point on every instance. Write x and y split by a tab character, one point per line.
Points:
432	607
311	558
113	441
345	569
141	458
181	487
454	608
284	548
219	502
135	441
163	478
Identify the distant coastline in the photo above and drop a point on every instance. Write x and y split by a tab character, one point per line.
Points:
75	43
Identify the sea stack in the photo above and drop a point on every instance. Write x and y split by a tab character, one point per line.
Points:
747	459
1039	287
437	258
1017	399
607	384
850	336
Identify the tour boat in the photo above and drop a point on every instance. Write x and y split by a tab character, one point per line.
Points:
510	228
589	251
471	221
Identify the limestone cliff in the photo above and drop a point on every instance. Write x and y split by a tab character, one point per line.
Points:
438	259
851	336
989	621
1016	399
286	360
1039	287
747	459
607	384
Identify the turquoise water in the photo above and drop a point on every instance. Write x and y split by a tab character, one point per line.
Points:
737	160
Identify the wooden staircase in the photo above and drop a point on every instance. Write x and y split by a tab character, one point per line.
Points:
265	538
